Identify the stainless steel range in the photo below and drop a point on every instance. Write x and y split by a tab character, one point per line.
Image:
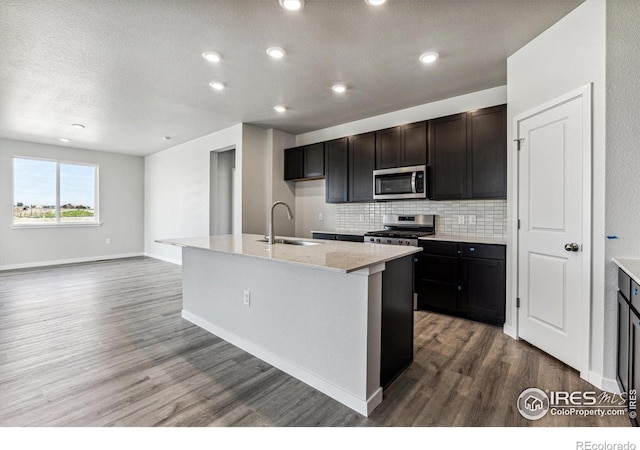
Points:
403	229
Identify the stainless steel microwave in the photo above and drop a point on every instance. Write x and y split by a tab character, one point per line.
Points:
400	183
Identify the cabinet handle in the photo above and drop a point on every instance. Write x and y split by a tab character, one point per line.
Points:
635	292
472	249
459	288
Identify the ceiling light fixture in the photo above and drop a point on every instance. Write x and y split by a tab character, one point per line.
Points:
167	138
65	140
276	52
292	5
78	125
280	108
212	57
339	88
429	57
375	2
218	86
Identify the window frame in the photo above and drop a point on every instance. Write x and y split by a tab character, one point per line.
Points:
58	224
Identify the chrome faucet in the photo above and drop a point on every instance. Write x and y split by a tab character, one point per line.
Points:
271	237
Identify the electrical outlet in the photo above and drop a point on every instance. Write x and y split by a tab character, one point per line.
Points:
320	217
361	217
108	241
472	220
460	220
247	298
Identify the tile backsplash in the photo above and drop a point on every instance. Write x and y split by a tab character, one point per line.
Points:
491	216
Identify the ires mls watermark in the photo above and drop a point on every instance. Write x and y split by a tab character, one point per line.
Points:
534	403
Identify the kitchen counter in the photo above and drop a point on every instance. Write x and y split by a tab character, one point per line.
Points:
337	256
315	312
466	239
630	266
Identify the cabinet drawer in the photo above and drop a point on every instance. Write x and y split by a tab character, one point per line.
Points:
438	268
484	251
624	284
635	295
439	248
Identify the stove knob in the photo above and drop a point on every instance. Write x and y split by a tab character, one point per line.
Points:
388	241
378	240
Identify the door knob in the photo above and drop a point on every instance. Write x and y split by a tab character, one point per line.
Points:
572	247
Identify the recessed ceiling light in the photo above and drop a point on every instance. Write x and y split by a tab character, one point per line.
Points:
276	52
339	88
280	108
78	125
65	140
211	57
218	86
292	5
375	2
429	57
167	138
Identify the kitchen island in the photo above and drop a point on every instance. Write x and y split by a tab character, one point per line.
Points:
322	312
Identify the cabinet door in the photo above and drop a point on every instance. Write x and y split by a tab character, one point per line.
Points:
634	358
362	161
623	343
388	148
293	159
437	284
483	295
336	170
414	145
487	153
448	157
314	160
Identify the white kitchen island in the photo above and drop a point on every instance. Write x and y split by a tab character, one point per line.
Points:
313	311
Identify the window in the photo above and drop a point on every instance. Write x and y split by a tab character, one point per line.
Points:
54	193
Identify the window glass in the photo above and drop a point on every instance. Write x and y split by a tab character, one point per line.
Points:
34	191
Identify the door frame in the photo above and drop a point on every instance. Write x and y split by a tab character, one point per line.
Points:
587	196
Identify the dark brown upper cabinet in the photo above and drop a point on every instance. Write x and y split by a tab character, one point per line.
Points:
468	155
337	170
362	161
304	163
401	146
487	152
448	157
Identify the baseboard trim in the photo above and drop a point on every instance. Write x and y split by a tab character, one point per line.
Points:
69	261
164	258
361	406
602	383
510	331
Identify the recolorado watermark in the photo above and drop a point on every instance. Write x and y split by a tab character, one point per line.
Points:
534	404
588	445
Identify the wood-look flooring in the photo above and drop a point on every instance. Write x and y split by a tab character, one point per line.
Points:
103	344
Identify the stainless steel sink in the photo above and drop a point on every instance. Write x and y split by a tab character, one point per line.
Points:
291	242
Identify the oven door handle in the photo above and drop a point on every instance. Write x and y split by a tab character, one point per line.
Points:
413	182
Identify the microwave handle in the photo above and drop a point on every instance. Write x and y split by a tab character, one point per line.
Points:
413	182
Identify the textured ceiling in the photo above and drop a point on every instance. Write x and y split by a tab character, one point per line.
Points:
132	70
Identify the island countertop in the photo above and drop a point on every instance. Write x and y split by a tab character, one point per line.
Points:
328	255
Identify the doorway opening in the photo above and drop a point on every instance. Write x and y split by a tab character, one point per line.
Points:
221	191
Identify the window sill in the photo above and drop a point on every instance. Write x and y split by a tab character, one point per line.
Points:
54	225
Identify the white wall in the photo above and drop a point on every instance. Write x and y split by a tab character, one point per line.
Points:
310	195
570	54
177	191
280	190
623	153
221	192
121	196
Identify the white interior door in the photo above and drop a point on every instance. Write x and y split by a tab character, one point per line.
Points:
553	242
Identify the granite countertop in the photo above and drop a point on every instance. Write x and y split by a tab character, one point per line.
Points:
630	266
328	255
466	239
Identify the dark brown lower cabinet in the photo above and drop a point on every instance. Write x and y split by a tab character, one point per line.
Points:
465	280
628	364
